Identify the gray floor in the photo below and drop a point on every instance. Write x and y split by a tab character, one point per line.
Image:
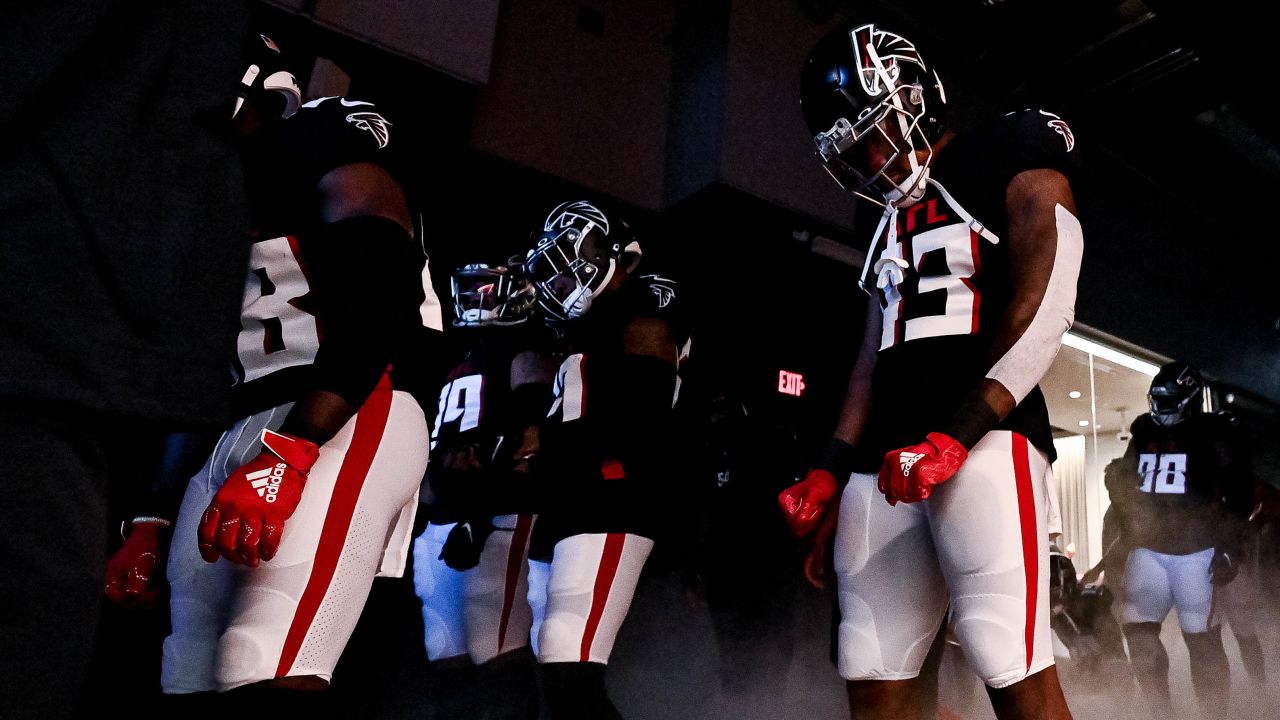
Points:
666	667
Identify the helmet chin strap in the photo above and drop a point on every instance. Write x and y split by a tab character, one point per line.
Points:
577	304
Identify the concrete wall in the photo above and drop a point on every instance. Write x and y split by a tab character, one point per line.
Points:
768	151
589	108
455	38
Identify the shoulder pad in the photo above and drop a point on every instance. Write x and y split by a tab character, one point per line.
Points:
662	290
660	296
331	132
1039	139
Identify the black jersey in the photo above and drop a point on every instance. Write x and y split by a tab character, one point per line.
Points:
594	343
1183	488
608	436
944	284
480	423
300	281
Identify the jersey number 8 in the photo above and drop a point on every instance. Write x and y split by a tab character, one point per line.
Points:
276	332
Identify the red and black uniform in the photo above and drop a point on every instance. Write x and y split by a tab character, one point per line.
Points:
346	307
480	422
944	277
470	563
322	311
941	319
606	452
607	441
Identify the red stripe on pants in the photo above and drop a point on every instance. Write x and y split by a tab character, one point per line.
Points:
371	420
609	559
1030	536
515	560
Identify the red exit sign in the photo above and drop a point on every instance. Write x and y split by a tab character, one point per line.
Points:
790	383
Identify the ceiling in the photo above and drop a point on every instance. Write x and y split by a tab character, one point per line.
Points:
1120	393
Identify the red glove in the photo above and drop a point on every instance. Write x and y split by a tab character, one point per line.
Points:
909	474
135	572
804	503
246	517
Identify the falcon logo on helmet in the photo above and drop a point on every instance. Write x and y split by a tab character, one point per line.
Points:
896	100
879	53
576	255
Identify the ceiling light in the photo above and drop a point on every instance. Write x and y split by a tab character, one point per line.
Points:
1106	353
1074	394
1083	423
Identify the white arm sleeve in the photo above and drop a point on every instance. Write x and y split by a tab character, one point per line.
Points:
1020	369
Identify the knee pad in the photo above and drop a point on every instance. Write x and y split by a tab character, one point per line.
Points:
539	573
439	588
442	638
241	660
187	664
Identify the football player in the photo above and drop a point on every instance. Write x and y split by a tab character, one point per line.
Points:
470	565
121	251
310	494
605	445
1182	493
939	460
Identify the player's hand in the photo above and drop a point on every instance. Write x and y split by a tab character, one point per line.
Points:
135	573
246	518
909	474
1224	567
815	561
804	503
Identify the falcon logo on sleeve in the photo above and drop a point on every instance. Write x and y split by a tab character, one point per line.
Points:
908	460
373	123
662	288
1060	126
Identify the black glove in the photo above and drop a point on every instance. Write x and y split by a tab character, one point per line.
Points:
462	548
1223	567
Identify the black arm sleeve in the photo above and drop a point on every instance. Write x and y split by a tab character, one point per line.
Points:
366	286
635	399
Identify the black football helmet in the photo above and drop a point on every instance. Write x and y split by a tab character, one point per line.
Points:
485	296
575	256
1176	392
268	81
861	82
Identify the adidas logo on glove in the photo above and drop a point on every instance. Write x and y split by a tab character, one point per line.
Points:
267	481
909	461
